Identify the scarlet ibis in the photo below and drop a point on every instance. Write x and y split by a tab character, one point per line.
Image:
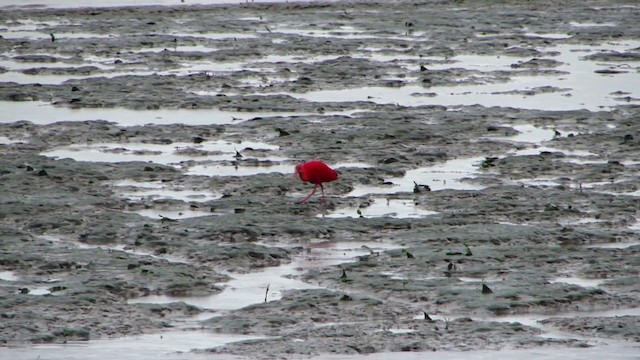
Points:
315	172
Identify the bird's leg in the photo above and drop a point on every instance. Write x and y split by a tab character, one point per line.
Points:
324	200
311	194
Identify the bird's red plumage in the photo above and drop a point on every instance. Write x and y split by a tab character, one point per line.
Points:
316	172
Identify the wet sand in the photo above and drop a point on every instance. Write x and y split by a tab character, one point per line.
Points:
488	198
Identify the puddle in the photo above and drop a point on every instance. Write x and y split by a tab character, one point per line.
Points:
478	280
511	223
555	36
13	65
138	184
235	170
475	62
181	48
248	289
590	90
115	3
528	134
400	331
188	68
533	320
215	36
174	344
350	33
294	59
105	67
618	351
166	154
54	79
581	221
341	32
219	156
536	150
6	141
407	61
258	65
545	181
29	34
46	79
582	161
582	282
396	208
155	190
42	113
399	276
594	159
586	24
615	245
8	276
120	247
39	291
630	193
448	175
26	28
330	253
172	213
243	290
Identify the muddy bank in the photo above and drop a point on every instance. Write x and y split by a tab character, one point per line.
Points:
510	133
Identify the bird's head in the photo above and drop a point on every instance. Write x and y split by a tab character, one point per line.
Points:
299	170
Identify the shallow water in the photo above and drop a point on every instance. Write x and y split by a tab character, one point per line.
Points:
174	214
250	288
528	134
534	320
42	113
448	175
110	3
616	245
169	193
243	290
235	170
396	208
581	221
618	351
589	90
67	242
174	344
219	155
39	291
5	140
8	276
582	282
166	154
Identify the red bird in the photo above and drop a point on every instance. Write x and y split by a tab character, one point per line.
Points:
315	172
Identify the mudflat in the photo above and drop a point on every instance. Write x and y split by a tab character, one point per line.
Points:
488	194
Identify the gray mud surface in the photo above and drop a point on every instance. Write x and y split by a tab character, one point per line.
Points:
66	231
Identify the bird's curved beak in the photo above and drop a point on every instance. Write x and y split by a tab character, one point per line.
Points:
295	175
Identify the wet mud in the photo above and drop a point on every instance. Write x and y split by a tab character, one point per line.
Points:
148	153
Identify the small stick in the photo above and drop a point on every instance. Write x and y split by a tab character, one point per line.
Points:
266	293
